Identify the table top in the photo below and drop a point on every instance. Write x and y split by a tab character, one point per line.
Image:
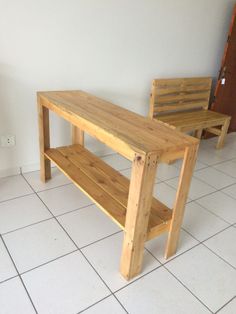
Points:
124	131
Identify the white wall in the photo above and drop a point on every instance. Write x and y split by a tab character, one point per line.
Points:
107	47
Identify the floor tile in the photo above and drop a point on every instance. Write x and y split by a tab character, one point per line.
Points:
58	179
209	157
165	194
157	246
211	279
67	285
223	244
64	199
108	306
220	204
228	167
214	178
21	212
159	292
105	257
230	308
208	143
12	187
197	189
88	225
200	223
198	165
228	152
7	269
38	244
14	299
117	161
231	190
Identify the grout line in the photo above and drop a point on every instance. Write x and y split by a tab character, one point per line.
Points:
82	253
188	289
225	304
176	256
217	163
108	236
14	198
92	305
225	172
214	186
53	188
20	228
163	264
19	274
74	210
218	256
138	278
213	212
202	242
48	262
8	279
228	194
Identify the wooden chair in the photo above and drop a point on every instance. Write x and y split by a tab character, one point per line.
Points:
183	104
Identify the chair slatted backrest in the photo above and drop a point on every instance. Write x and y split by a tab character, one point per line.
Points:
183	94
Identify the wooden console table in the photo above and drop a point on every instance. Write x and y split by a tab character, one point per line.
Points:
145	142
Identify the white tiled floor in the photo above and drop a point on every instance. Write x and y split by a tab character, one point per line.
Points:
59	254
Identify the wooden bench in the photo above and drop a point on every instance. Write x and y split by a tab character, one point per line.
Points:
183	104
129	203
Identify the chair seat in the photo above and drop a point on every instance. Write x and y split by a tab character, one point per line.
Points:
200	119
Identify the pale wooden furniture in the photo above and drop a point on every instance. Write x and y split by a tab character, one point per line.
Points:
145	142
183	104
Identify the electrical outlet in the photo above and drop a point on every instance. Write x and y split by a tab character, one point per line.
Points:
8	140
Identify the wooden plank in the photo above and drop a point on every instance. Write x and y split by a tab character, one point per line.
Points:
180	201
179	94
114	126
138	212
179	106
115	184
182	96
214	131
172	89
187	121
91	166
77	135
188	81
44	142
107	179
102	199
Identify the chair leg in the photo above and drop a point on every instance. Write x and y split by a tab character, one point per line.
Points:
223	134
198	133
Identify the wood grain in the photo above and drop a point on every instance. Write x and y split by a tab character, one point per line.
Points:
183	104
44	142
115	126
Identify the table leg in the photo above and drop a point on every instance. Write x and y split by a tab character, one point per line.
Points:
44	142
77	135
181	197
138	211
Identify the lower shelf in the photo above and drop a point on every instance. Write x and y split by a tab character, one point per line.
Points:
105	186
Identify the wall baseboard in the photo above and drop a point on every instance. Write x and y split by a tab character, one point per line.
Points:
10	172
